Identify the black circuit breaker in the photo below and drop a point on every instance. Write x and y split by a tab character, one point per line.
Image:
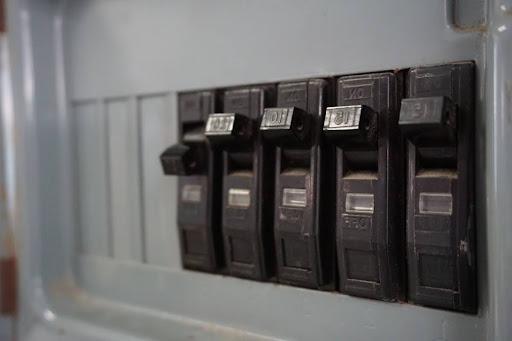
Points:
304	237
363	134
199	189
437	118
248	181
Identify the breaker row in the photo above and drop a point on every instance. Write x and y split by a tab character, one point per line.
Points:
360	183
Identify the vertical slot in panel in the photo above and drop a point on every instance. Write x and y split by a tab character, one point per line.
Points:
123	152
91	157
159	198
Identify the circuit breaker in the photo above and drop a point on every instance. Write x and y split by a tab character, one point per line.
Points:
199	190
366	143
247	181
304	237
438	118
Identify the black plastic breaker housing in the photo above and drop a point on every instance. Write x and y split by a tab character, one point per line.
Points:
304	236
438	118
199	184
364	137
248	182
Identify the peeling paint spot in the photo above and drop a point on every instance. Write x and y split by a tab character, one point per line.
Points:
8	286
66	287
7	243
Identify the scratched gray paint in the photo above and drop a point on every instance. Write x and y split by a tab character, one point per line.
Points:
133	48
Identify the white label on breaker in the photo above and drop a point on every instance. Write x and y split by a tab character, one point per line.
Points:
191	193
294	197
359	203
238	197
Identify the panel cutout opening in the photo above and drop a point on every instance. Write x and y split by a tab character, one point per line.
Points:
363	162
436	158
294	159
239	162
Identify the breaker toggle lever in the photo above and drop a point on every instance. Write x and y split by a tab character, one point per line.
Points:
426	115
228	128
183	159
287	125
353	124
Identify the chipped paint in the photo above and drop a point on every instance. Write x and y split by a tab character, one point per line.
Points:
66	287
7	243
8	286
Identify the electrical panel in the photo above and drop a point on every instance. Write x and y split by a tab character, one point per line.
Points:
361	184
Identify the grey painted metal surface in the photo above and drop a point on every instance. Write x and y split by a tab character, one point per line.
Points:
497	169
80	67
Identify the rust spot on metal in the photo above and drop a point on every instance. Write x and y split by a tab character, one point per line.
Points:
66	287
3	19
7	243
8	286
